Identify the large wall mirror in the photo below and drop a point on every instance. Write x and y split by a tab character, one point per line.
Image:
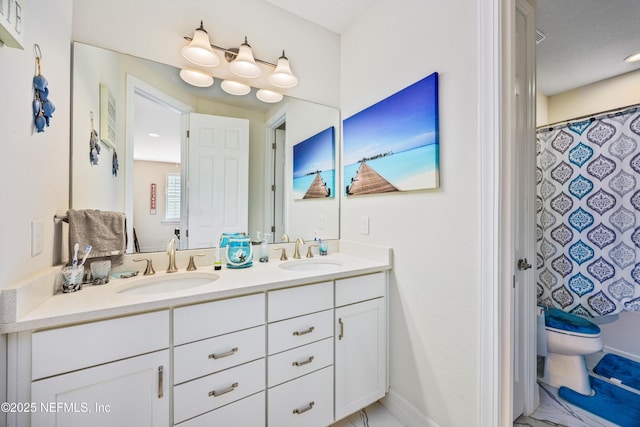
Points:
148	120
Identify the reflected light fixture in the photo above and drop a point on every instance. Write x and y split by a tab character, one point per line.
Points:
633	58
241	62
235	88
244	65
196	77
269	96
199	50
282	76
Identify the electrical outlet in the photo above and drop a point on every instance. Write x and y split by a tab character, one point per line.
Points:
364	225
37	236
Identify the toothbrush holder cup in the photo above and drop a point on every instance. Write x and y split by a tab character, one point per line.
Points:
100	271
71	278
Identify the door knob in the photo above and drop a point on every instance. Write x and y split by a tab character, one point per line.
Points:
523	264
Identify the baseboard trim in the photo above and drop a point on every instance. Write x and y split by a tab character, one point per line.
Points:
405	412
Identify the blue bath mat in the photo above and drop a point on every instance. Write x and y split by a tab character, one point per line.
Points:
610	402
619	368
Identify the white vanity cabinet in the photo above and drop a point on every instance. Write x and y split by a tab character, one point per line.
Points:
300	356
112	372
219	363
360	338
293	354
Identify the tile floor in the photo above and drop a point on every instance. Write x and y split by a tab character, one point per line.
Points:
374	415
554	411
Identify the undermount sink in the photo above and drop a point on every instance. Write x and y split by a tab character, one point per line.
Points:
167	283
311	264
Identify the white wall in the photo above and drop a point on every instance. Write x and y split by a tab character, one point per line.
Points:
434	234
34	166
620	91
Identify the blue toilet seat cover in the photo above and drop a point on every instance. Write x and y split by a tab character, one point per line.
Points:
561	320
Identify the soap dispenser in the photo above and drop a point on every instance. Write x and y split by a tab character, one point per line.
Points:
264	247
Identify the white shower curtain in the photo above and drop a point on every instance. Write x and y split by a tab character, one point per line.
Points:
588	214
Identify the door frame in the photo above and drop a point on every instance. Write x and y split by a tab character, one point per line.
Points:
274	121
496	131
135	86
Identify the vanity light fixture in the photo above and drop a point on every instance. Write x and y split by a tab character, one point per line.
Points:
282	76
269	96
196	77
244	65
235	88
241	62
199	50
633	58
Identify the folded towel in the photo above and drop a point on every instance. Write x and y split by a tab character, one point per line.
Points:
103	230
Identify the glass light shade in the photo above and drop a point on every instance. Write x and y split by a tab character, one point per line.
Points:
235	88
268	96
199	50
244	65
282	76
632	58
196	77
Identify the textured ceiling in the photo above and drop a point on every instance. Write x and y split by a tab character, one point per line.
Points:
586	41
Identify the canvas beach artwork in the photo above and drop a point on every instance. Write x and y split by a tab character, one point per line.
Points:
314	166
392	146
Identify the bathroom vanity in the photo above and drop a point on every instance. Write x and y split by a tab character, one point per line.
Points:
284	343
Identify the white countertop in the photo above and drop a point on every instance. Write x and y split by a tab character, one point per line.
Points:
103	301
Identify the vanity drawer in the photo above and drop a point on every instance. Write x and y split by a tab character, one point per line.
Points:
287	303
200	321
215	354
60	350
205	394
250	411
299	361
360	288
299	331
304	402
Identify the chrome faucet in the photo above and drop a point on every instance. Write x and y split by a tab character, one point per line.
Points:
296	251
171	250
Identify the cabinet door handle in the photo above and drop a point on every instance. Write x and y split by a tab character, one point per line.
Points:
341	335
305	409
305	362
160	382
308	331
215	393
221	355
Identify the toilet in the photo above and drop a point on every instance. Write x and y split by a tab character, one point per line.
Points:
568	339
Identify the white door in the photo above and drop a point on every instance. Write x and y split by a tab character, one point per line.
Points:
360	355
131	392
217	178
523	296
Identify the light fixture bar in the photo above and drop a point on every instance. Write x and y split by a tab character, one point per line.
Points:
234	53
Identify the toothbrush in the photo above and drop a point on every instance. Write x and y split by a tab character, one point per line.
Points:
74	263
87	249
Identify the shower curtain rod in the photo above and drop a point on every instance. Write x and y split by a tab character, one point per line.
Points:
586	116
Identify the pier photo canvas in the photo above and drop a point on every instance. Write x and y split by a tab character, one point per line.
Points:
314	166
392	146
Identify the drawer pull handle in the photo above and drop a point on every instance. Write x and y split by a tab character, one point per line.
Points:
221	355
305	362
300	333
160	382
305	409
215	393
341	335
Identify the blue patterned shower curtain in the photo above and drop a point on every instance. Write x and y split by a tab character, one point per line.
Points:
588	214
